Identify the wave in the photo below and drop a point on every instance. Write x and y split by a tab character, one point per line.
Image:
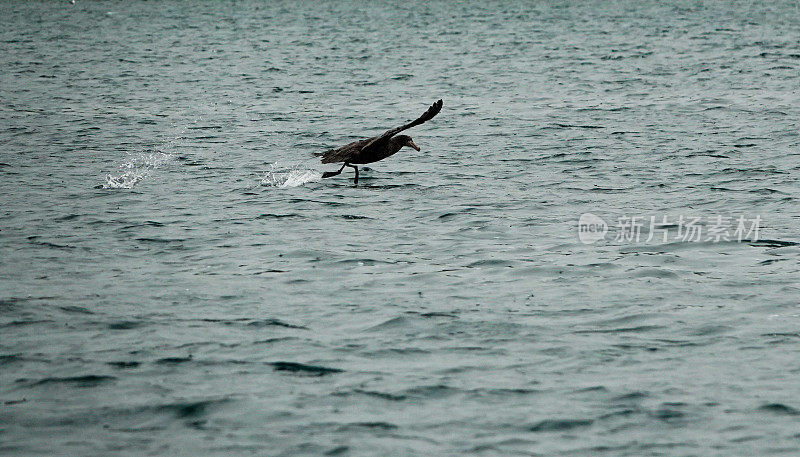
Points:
301	368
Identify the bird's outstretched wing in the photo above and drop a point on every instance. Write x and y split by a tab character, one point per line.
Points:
428	115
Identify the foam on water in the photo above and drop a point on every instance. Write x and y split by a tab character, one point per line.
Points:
135	169
140	165
292	177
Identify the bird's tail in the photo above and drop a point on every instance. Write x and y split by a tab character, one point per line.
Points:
328	156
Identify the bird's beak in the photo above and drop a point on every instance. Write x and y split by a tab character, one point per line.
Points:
413	145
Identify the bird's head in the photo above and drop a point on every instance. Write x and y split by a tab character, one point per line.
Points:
406	140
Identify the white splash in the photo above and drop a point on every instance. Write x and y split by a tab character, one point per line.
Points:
137	168
293	177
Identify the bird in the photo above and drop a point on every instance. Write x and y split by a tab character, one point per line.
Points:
376	148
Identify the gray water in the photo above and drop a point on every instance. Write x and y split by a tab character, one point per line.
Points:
176	279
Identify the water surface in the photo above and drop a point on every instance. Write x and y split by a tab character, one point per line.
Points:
176	279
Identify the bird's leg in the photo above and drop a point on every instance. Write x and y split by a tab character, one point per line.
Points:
355	181
328	174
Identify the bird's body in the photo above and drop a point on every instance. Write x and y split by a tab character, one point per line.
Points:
354	152
376	148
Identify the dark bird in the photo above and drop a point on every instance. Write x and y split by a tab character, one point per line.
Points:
375	148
